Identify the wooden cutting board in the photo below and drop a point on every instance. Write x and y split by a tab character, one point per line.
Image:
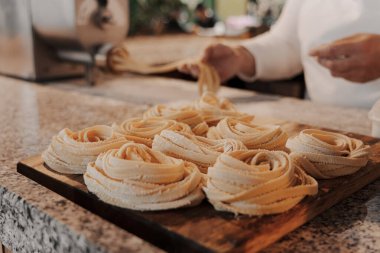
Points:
201	228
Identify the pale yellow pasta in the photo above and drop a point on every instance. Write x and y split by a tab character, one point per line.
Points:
185	115
214	109
257	182
325	154
137	177
196	149
119	60
253	136
69	152
143	130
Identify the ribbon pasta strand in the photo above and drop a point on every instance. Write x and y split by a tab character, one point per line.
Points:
69	152
196	149
185	115
326	155
253	136
257	182
143	130
214	109
119	60
137	177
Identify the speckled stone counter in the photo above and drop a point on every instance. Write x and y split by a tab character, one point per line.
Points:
33	218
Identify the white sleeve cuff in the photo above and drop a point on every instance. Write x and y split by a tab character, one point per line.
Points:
245	78
255	48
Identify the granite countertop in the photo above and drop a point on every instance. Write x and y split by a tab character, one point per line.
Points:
32	218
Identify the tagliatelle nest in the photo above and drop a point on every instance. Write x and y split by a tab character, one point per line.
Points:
257	182
137	177
199	150
69	152
325	154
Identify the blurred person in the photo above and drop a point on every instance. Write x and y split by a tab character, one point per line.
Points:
335	42
173	21
204	17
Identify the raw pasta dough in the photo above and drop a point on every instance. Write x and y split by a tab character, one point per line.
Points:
69	152
119	60
139	178
257	182
199	150
143	130
214	109
325	154
253	136
185	115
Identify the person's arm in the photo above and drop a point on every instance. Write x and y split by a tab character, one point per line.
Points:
273	55
355	58
277	53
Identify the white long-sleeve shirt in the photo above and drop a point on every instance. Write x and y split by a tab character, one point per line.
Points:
305	24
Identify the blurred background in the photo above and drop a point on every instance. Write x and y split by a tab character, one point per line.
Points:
211	20
244	18
48	40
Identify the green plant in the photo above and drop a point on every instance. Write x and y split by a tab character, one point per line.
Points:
150	16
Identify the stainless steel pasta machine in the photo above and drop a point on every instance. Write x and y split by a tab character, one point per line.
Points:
50	39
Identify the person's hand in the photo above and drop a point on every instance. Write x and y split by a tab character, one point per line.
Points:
228	61
355	58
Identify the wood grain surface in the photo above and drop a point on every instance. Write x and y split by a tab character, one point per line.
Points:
201	228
